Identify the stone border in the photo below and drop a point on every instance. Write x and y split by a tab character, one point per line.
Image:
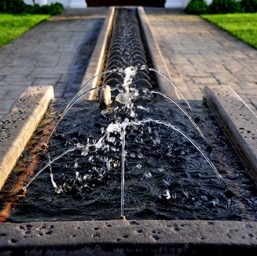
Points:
17	127
97	59
156	57
118	237
238	120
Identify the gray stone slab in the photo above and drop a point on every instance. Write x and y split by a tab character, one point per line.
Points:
142	237
97	59
238	120
19	124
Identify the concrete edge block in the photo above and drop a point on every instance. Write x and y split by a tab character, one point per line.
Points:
97	59
238	120
22	121
156	57
186	236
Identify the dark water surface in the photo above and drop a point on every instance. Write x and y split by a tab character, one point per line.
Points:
165	176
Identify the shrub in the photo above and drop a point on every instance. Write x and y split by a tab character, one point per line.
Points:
224	6
196	7
12	6
33	9
249	5
52	9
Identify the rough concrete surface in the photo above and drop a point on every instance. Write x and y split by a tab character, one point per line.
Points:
17	127
156	237
238	120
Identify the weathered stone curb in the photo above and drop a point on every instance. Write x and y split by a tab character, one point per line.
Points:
156	56
238	120
108	237
98	57
17	127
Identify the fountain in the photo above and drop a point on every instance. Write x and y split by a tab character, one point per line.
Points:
138	155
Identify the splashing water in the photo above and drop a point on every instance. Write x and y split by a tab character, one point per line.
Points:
183	134
81	93
123	155
115	135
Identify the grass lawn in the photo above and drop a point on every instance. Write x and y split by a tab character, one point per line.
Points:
12	26
242	26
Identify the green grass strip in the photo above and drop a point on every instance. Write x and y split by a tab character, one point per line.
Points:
242	26
13	26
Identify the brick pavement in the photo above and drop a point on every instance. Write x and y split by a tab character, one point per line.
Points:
55	52
198	53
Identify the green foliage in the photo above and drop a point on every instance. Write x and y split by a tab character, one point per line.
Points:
196	7
12	6
52	9
241	25
18	6
224	6
55	9
248	5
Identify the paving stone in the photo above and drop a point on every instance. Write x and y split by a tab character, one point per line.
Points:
6	105
47	53
60	89
12	91
194	44
40	81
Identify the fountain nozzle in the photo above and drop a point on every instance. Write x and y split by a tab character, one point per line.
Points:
123	217
105	97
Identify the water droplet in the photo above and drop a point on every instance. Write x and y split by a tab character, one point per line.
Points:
148	175
214	202
166	194
138	166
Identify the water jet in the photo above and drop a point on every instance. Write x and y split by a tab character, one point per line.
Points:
138	236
